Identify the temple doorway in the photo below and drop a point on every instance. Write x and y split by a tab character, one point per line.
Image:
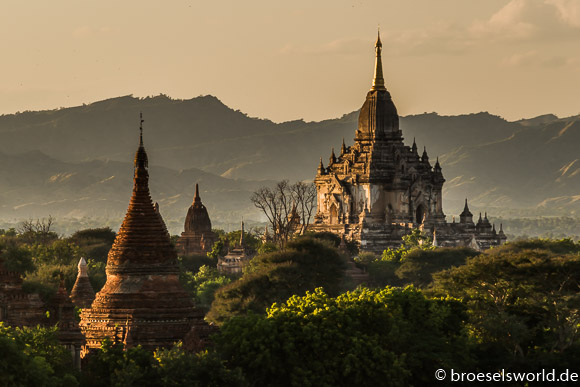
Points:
333	214
419	214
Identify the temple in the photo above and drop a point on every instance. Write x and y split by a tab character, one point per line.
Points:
142	302
379	189
236	258
197	238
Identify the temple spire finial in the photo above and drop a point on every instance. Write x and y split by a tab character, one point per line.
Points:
141	160
141	120
196	198
378	80
242	239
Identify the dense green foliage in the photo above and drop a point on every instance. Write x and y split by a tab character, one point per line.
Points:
16	258
229	240
413	263
136	367
361	338
514	307
418	266
34	357
203	284
305	264
61	256
523	303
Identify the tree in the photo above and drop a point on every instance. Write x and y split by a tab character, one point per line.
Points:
417	267
177	367
227	240
304	198
281	205
203	284
113	366
16	258
94	243
304	264
34	357
523	304
361	338
415	240
37	231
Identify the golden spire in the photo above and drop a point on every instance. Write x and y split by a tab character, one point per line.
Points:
378	80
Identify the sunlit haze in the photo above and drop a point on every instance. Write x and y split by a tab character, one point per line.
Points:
301	59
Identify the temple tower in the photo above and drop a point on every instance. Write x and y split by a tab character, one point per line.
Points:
142	295
379	187
197	237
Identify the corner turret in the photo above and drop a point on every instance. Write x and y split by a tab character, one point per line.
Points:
466	216
321	170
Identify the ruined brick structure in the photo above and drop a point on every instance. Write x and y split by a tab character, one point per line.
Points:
143	302
197	237
62	314
17	308
21	309
379	189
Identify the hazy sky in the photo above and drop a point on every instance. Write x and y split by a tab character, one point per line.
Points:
284	60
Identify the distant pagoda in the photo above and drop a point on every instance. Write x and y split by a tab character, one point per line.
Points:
197	237
142	302
82	293
236	258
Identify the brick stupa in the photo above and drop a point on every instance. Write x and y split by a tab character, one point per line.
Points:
142	302
82	293
197	237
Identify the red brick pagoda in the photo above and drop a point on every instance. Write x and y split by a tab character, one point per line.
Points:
142	302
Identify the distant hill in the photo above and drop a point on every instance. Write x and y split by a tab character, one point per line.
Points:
76	162
97	192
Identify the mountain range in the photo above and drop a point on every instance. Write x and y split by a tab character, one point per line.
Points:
76	163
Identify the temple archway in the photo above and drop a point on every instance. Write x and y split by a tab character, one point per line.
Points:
419	213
